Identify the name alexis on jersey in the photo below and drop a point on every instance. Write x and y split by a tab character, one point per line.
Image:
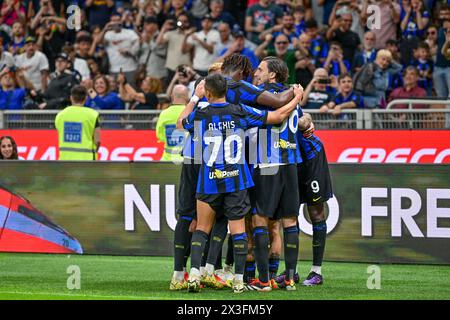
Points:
219	174
223	125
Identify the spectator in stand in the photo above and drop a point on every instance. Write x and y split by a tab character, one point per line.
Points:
319	46
45	10
35	65
425	66
97	50
185	76
202	43
340	32
414	20
299	19
173	34
410	89
99	11
260	17
57	95
281	51
327	9
101	97
51	37
152	56
12	97
441	74
17	44
226	39
94	68
431	40
348	7
304	66
219	16
346	98
8	148
122	46
175	8
12	11
318	94
368	54
389	20
145	98
83	52
287	28
6	58
335	63
375	78
392	47
238	46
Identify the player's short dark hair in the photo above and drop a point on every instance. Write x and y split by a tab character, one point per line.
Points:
275	64
216	84
237	62
78	94
343	76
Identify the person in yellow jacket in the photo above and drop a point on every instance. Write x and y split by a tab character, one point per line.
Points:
78	129
166	130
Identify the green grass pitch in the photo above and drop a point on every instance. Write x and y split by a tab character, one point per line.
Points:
33	276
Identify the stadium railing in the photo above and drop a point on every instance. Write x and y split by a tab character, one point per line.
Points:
358	119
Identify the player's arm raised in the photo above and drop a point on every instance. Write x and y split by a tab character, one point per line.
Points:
275	100
279	115
198	94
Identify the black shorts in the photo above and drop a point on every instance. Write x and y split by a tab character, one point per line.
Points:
187	204
314	182
275	193
234	205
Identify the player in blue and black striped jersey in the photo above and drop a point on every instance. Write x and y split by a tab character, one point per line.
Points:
275	177
224	175
314	190
235	69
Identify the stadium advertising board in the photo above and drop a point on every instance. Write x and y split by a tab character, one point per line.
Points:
380	213
346	146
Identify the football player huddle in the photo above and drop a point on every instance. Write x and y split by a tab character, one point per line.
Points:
250	160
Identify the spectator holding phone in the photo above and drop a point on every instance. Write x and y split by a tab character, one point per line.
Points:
318	94
186	76
335	63
173	34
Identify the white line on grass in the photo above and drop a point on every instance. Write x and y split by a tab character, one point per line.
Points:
87	295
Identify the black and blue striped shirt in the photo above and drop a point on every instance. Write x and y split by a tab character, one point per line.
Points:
220	128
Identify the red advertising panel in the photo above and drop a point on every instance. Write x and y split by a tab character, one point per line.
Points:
347	146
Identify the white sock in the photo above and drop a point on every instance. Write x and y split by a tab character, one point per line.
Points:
209	268
184	269
239	278
178	275
202	271
194	272
316	269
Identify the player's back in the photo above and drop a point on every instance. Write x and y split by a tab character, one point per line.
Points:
222	128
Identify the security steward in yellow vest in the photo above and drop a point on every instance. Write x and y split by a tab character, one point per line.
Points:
166	130
78	129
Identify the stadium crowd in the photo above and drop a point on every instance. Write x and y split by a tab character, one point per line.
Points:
130	51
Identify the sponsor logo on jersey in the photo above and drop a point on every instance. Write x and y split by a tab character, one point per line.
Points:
219	174
283	144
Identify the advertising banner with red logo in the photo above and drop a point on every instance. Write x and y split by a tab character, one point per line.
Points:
346	146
